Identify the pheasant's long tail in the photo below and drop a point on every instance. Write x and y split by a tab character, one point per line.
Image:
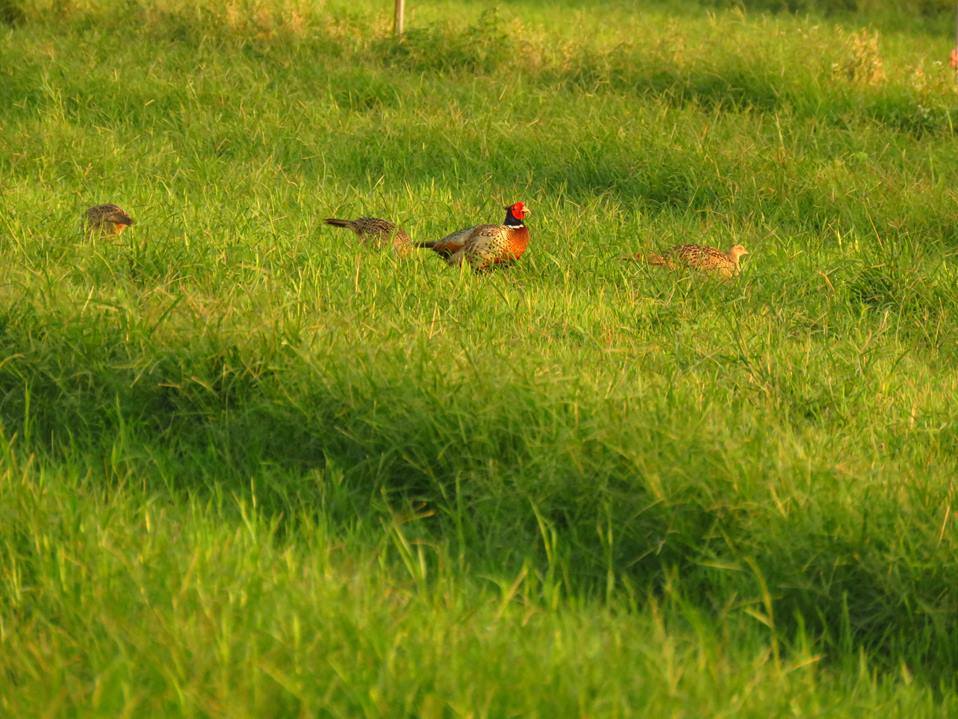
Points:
656	260
338	223
441	248
653	259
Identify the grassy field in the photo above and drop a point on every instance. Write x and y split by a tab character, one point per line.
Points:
250	469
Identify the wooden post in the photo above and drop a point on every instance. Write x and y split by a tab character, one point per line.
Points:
400	11
954	51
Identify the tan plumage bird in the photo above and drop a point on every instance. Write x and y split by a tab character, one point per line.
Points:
108	219
699	257
376	233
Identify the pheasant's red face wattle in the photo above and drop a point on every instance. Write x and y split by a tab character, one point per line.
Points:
519	210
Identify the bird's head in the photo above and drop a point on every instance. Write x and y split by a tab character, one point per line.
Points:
516	213
736	252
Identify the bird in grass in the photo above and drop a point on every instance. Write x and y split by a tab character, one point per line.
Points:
699	257
108	219
485	246
376	233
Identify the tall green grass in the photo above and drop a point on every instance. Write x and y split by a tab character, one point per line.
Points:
251	469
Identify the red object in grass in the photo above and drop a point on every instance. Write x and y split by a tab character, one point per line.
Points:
953	60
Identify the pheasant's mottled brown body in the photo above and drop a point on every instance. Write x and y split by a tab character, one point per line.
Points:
700	257
485	246
377	233
108	218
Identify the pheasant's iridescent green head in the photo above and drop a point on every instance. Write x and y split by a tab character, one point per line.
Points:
516	213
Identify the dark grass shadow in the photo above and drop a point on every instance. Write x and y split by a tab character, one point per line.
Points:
618	497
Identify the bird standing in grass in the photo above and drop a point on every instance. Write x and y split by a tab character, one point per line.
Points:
108	219
376	233
484	246
699	257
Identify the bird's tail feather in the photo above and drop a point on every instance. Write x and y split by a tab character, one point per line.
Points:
338	223
651	259
657	260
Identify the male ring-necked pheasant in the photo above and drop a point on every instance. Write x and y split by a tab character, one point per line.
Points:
108	219
376	233
484	246
699	257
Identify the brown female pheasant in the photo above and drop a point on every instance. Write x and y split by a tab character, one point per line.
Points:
699	257
376	233
108	219
484	246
